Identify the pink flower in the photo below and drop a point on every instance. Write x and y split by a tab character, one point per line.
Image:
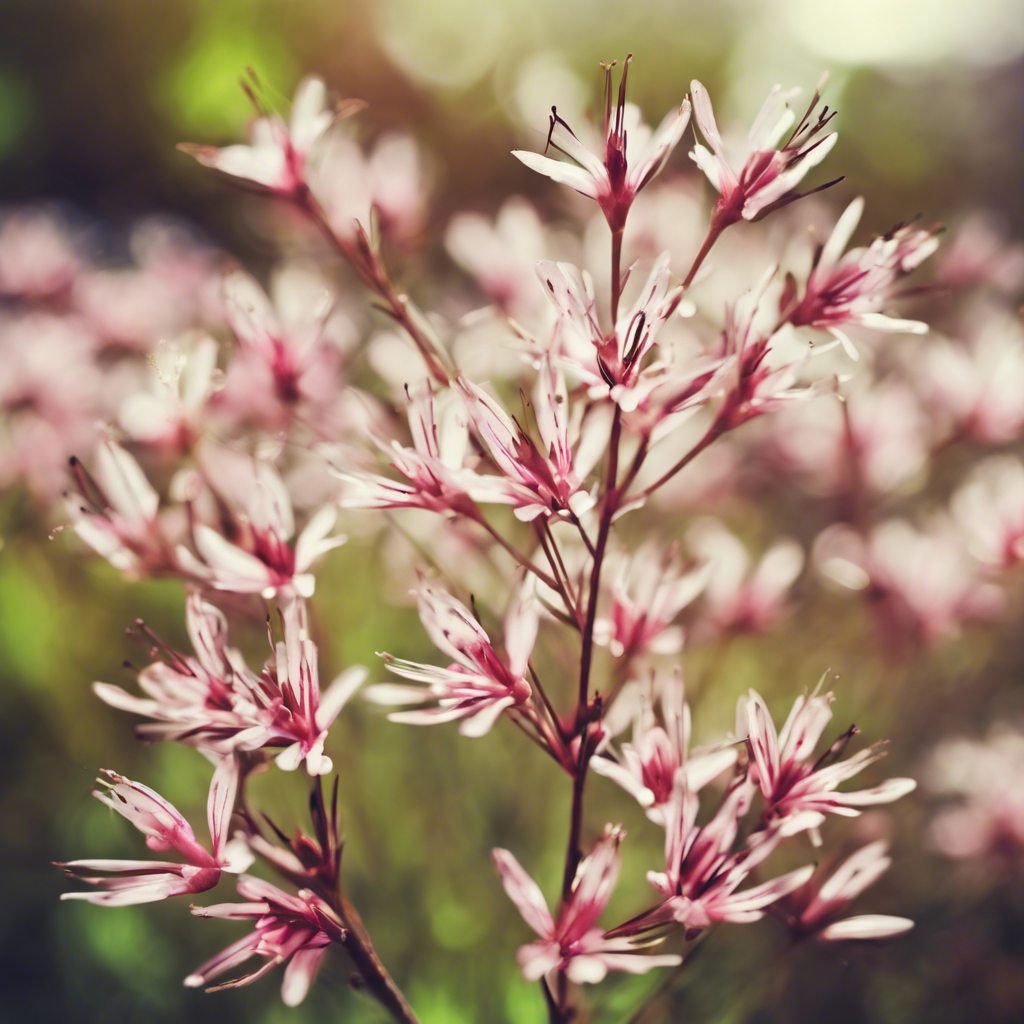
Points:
989	509
649	590
799	788
213	701
52	395
985	779
38	256
979	255
171	414
260	558
853	288
288	366
702	873
740	596
297	929
817	907
976	384
874	439
502	256
633	155
921	583
767	175
123	524
539	481
125	882
610	364
573	944
391	180
433	468
277	154
479	684
650	767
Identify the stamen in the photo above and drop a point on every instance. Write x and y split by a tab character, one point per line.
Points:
640	321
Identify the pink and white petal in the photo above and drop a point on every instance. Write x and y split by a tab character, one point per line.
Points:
120	866
396	694
528	513
772	120
586	970
234	569
300	974
338	694
149	889
208	631
237	953
432	716
624	778
448	622
560	171
220	803
538	958
708	163
704	115
236	856
105	540
124	701
892	325
638	962
313	541
521	623
317	762
884	793
666	137
265	165
249	313
290	758
233	911
840	237
850	879
764	742
524	892
309	119
125	485
703	769
867	926
481	722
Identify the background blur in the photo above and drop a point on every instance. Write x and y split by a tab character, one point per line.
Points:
94	95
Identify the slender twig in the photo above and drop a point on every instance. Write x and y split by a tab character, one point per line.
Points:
616	274
368	266
353	935
564	586
611	498
520	558
714	431
360	948
575	520
714	231
534	737
549	707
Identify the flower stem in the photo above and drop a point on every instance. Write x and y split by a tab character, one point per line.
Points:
360	948
714	231
520	558
366	264
616	274
714	431
582	727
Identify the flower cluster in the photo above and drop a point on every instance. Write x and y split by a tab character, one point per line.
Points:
504	464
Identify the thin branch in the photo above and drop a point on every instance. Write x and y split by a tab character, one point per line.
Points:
520	558
714	431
